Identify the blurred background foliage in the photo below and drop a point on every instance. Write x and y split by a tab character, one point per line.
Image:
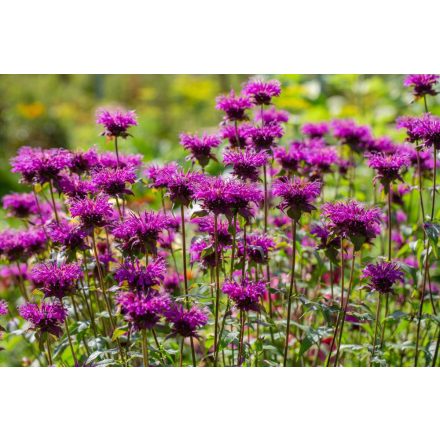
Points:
59	110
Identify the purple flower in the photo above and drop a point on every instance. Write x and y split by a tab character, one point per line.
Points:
160	175
272	116
246	295
186	322
46	318
429	128
74	187
290	159
412	126
357	137
234	106
388	166
3	307
142	311
245	163
182	185
40	166
93	213
353	221
139	233
83	161
236	136
320	159
206	224
171	282
20	205
228	196
262	92
58	280
141	278
383	276
422	84
68	235
297	195
113	181
258	247
264	138
116	123
324	234
203	251
18	245
109	160
382	145
317	130
200	147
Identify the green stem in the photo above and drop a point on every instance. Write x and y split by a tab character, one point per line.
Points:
144	348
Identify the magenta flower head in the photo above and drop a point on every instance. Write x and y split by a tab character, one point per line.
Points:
160	175
116	123
326	239
382	145
422	84
315	131
58	280
182	185
357	137
200	147
93	213
297	195
109	160
185	322
412	126
353	221
234	106
264	138
206	225
69	235
429	128
203	251
141	278
40	166
73	186
20	205
262	92
382	276
139	233
83	161
319	160
236	136
3	307
17	245
291	158
258	247
246	295
46	318
113	181
272	116
388	166
245	163
142	311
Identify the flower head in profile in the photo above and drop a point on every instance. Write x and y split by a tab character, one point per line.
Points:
357	137
258	247
264	138
246	295
422	84
290	158
114	181
19	245
116	123
206	225
200	148
139	233
326	239
246	163
315	130
271	116
320	160
297	195
202	250
75	187
92	212
20	205
182	186
159	176
388	166
37	165
186	322
56	279
234	106
382	145
3	307
142	311
429	129
382	276
83	161
262	92
69	235
412	126
353	221
109	160
237	136
46	318
141	278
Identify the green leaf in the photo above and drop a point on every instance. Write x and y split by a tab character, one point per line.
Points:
118	332
433	231
201	213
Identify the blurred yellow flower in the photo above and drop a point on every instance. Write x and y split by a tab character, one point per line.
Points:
31	111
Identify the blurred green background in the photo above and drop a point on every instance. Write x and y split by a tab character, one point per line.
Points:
59	110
